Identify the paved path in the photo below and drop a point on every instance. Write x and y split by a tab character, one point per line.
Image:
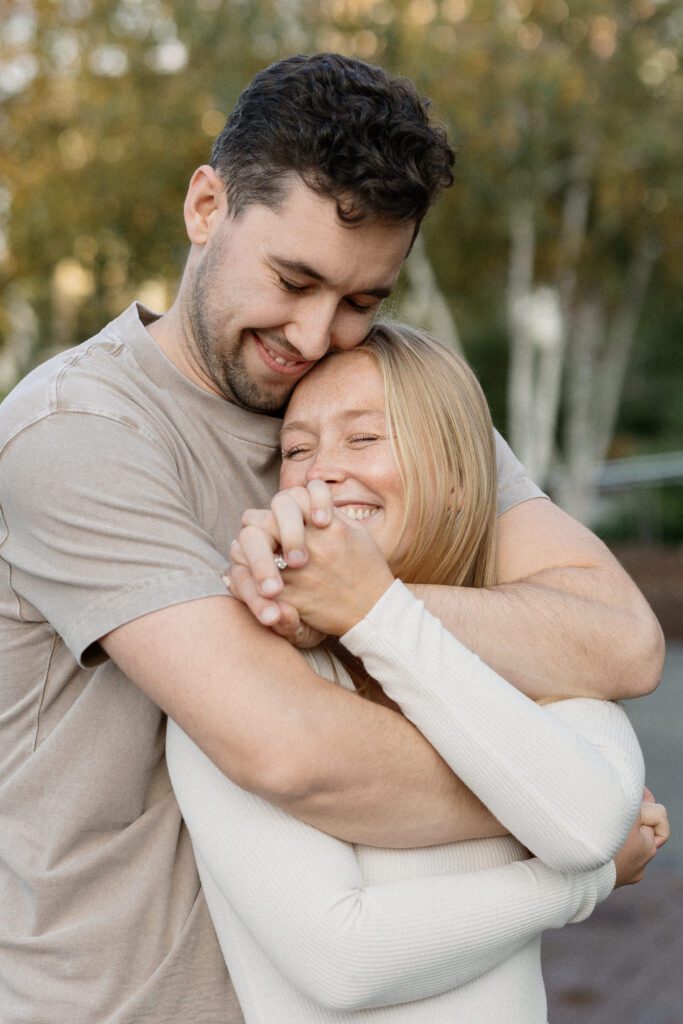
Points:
625	964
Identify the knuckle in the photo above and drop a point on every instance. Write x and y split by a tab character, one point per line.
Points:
302	498
280	500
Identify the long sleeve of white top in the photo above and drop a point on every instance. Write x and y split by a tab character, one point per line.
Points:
565	778
301	895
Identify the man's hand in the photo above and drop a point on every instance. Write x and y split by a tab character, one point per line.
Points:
650	831
255	579
281	617
343	575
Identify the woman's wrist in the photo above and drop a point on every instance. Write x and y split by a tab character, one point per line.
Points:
361	600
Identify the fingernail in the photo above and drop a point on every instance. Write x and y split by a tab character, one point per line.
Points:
268	616
296	557
269	587
321	517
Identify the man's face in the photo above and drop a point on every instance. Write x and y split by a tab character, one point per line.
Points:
274	290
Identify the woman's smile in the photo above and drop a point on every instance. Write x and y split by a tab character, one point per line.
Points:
336	430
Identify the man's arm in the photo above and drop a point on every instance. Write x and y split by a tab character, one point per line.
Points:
102	539
260	712
565	619
353	940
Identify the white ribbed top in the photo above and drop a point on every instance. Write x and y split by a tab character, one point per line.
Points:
316	930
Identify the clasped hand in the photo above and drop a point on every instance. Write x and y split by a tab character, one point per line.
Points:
336	571
650	831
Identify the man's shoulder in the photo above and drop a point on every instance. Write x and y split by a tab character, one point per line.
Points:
99	377
514	485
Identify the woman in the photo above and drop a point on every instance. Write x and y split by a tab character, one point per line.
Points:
314	929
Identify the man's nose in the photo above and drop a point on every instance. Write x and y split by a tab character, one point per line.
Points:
311	333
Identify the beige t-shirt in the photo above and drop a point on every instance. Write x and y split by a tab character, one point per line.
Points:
121	486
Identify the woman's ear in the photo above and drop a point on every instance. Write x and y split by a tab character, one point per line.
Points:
205	204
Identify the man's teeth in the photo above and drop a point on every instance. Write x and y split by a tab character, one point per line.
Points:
358	512
278	359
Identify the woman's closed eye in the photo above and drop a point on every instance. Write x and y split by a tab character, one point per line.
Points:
361	438
294	451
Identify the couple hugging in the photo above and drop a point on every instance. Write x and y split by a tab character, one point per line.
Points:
372	765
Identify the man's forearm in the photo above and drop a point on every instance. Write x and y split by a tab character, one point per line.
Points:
553	635
268	721
564	620
404	796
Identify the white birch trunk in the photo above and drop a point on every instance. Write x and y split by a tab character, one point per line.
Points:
536	351
600	349
424	304
21	339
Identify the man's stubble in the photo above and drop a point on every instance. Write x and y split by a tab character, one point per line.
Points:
225	371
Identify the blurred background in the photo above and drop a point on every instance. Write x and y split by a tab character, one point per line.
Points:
554	264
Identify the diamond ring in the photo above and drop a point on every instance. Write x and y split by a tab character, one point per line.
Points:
280	562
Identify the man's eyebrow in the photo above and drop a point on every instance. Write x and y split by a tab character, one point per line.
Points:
348	414
295	267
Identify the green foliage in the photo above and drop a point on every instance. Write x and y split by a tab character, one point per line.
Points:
110	104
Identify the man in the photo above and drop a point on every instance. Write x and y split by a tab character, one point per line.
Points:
125	466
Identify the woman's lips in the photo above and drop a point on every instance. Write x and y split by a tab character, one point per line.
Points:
358	511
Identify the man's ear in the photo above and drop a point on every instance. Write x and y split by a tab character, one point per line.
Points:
205	204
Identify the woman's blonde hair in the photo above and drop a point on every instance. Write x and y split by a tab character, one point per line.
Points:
442	434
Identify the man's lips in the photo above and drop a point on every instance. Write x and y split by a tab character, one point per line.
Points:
280	362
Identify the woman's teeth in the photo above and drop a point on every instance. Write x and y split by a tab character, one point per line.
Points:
358	512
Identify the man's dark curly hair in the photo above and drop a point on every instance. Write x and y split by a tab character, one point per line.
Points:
349	130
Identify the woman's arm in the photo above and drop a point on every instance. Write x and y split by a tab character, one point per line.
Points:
569	790
302	896
564	619
566	779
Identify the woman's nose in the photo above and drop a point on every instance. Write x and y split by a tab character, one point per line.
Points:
325	468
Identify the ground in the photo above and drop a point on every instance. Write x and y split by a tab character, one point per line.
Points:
625	964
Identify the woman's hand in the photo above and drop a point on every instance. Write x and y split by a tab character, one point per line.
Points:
650	831
342	571
254	578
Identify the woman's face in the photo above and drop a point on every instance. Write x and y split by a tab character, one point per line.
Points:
335	429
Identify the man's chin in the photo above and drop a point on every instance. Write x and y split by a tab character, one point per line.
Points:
268	401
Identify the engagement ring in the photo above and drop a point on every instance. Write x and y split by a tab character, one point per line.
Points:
280	562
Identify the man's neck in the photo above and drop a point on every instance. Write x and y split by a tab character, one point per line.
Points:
171	335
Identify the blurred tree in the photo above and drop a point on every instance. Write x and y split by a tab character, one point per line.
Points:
568	190
569	193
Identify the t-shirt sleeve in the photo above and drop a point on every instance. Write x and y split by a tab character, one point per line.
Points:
514	486
96	528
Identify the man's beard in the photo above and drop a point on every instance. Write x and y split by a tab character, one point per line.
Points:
226	372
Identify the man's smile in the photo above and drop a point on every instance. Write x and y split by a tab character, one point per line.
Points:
277	361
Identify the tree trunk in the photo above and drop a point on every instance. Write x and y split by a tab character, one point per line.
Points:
599	352
536	351
424	303
21	340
